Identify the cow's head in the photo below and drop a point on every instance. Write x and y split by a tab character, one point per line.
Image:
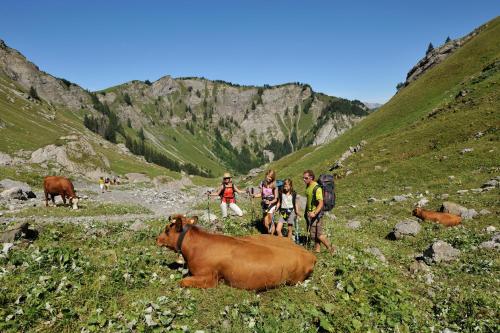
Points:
417	212
74	202
169	236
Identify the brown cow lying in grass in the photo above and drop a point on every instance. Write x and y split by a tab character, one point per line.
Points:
252	262
55	185
446	219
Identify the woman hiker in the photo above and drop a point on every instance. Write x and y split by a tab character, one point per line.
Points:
227	192
269	195
287	208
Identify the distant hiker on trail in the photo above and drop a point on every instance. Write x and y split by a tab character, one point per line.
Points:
226	192
287	208
107	182
269	195
101	184
313	212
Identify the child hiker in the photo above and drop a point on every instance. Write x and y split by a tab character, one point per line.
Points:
226	192
269	195
288	209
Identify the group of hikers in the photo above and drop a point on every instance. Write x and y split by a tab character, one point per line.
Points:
105	183
278	196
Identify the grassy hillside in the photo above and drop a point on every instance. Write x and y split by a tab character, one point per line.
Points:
29	124
424	120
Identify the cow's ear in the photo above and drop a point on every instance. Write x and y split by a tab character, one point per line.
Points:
178	224
193	220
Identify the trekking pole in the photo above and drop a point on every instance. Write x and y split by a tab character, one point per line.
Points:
297	230
208	207
308	237
253	208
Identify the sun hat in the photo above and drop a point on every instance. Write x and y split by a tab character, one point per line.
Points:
226	175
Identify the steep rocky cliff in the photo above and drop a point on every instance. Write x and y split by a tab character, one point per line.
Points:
194	123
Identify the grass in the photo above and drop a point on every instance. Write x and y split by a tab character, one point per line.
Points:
85	208
112	281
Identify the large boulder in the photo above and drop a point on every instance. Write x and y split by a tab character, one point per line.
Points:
440	251
14	193
14	233
8	184
456	209
405	228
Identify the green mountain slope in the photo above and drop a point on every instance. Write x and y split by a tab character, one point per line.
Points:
219	126
437	139
425	121
28	124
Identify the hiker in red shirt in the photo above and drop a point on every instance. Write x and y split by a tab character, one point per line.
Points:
226	193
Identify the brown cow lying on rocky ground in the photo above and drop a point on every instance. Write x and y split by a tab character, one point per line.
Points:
55	185
252	262
446	219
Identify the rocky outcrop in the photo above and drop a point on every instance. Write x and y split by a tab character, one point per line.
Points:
49	88
437	55
337	125
76	155
352	150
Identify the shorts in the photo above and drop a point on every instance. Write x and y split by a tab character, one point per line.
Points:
287	216
315	226
268	209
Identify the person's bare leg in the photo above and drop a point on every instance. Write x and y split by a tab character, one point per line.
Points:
278	229
290	231
327	244
266	222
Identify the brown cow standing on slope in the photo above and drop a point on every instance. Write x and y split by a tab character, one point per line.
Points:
247	263
446	219
55	185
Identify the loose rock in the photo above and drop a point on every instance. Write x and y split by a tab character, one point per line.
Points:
405	228
484	212
16	232
466	150
440	251
419	266
377	253
353	224
490	229
456	209
7	247
399	198
422	202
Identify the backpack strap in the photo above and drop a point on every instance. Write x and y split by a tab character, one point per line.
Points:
294	198
314	200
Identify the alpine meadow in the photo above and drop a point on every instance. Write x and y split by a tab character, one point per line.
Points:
134	237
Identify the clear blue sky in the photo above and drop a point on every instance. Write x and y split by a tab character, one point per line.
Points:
352	49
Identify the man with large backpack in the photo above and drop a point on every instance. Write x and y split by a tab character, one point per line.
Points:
314	212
